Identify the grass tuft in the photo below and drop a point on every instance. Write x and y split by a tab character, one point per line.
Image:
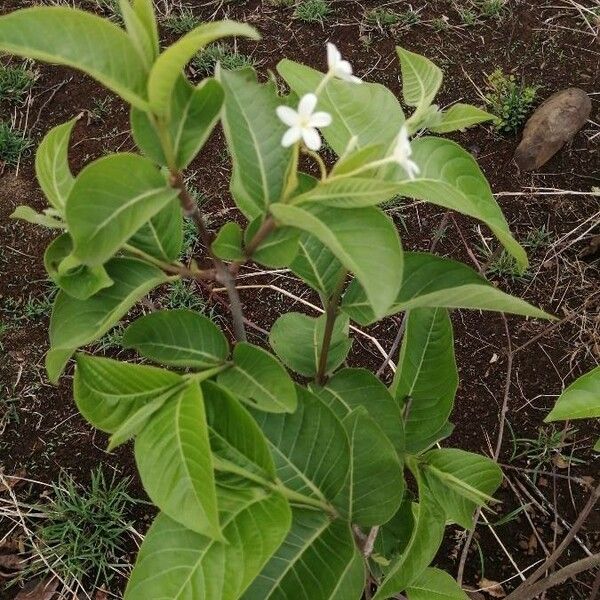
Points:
181	22
205	62
13	144
312	11
15	83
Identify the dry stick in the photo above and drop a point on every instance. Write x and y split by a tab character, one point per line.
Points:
224	275
595	594
551	560
529	592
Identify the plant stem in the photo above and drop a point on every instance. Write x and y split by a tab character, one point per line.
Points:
331	311
522	592
223	274
263	232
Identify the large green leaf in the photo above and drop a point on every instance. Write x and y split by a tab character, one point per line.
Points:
317	265
317	561
138	33
349	389
194	113
421	79
368	112
162	236
228	242
179	564
432	281
81	40
236	440
259	379
434	584
181	338
111	199
278	248
424	543
174	460
145	12
108	392
426	379
581	400
309	446
463	479
450	177
364	240
460	116
75	323
52	165
169	65
77	280
298	339
260	163
375	486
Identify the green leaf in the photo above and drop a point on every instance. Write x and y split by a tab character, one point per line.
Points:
180	338
260	163
26	213
297	340
431	281
349	389
179	564
395	535
309	446
421	79
108	392
235	438
358	158
597	446
75	323
194	114
78	281
364	240
52	165
424	543
375	484
169	65
450	177
80	40
349	192
259	379
317	266
173	457
368	112
138	33
317	561
426	378
461	116
111	199
228	243
463	479
145	12
434	584
162	236
581	400
278	249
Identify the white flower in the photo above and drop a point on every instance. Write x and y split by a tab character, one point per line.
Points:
303	122
402	153
339	67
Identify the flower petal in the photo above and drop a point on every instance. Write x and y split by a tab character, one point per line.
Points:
291	136
343	69
307	105
288	115
333	55
320	119
311	137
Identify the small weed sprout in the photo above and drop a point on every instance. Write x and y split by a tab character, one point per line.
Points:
85	530
181	22
205	62
509	101
382	18
183	294
312	11
15	83
492	8
13	144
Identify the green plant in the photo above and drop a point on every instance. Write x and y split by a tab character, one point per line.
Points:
13	144
205	62
467	16
102	108
181	22
15	83
492	8
312	11
84	530
509	101
267	488
382	17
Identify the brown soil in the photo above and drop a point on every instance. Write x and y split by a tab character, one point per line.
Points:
42	432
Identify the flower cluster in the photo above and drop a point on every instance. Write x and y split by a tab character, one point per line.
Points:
304	122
